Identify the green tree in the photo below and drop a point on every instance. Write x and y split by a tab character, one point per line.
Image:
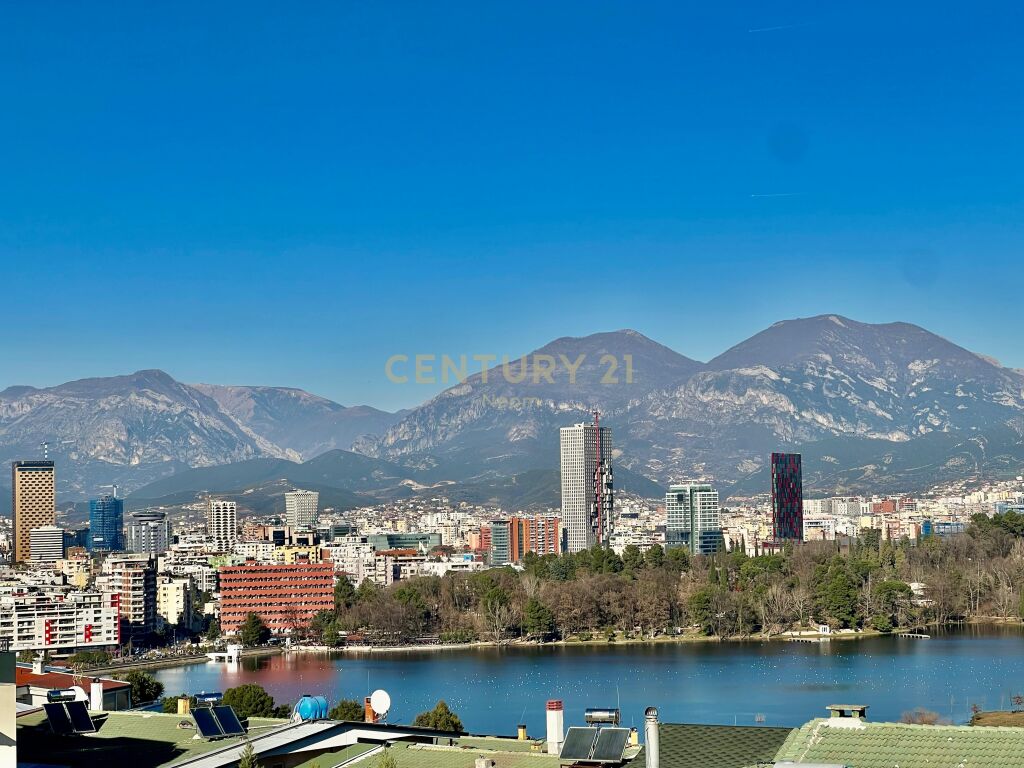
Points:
632	558
331	637
836	593
253	631
344	594
367	591
563	568
248	757
678	559
89	657
145	687
655	556
538	621
348	709
250	700
440	718
321	622
213	631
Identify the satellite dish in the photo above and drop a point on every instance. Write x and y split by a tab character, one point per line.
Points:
380	701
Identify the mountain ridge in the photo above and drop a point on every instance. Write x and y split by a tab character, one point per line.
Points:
892	388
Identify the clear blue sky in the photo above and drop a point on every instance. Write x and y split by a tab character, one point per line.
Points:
243	193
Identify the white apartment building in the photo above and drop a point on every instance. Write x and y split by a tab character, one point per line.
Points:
301	508
222	523
352	557
693	518
847	507
46	544
186	561
133	578
261	551
174	601
819	529
37	620
817	507
147	531
587	491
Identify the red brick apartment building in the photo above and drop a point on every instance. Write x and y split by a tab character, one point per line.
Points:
284	596
535	534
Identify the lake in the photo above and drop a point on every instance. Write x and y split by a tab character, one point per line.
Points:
774	683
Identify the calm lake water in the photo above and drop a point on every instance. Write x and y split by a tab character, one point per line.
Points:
784	683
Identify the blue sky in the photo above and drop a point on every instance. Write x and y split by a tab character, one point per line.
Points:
242	193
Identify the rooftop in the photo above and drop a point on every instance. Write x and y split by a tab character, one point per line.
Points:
716	746
138	739
51	678
866	744
505	752
154	740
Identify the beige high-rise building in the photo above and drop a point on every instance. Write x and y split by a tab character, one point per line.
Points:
33	502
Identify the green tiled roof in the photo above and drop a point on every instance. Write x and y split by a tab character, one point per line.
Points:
864	744
338	756
463	755
715	746
135	739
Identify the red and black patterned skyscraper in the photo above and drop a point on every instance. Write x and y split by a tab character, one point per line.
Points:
787	497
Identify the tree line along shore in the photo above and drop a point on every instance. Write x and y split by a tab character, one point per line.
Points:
868	586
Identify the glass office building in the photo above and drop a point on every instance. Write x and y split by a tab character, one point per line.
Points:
106	523
787	497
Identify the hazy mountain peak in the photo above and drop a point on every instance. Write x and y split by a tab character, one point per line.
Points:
297	420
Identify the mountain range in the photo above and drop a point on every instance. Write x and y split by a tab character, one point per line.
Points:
873	407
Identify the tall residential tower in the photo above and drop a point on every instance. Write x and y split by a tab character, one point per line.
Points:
222	523
587	491
301	508
693	519
787	497
33	502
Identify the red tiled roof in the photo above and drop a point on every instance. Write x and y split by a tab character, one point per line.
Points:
54	680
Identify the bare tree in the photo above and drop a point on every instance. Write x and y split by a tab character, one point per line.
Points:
1003	600
775	607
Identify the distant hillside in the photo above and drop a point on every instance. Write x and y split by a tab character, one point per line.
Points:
885	407
298	421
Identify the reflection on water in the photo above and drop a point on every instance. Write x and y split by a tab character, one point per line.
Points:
493	689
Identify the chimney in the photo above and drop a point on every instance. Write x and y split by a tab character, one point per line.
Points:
521	732
369	715
184	705
38	667
96	695
634	737
652	748
556	726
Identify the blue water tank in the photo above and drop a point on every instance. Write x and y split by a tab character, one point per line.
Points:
311	708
